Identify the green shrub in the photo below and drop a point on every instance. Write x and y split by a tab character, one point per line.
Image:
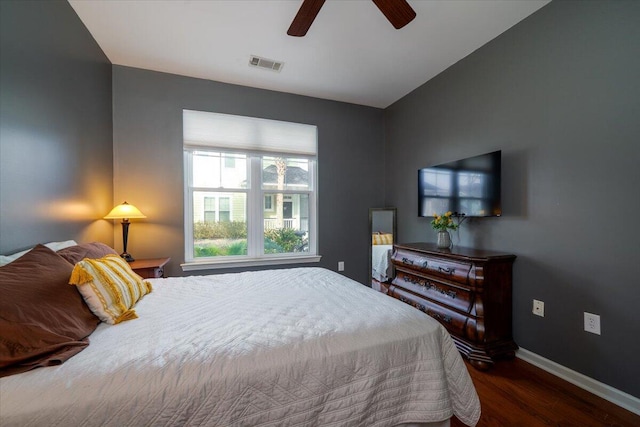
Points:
230	238
281	240
207	251
213	250
219	230
238	248
271	247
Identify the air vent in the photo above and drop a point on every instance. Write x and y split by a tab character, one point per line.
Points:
269	64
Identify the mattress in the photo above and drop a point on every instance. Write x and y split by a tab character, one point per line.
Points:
381	262
302	346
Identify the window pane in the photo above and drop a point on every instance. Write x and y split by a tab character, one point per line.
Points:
286	227
224	235
224	203
219	170
436	183
281	173
225	209
209	203
472	184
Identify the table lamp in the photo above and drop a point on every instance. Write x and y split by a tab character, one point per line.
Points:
125	212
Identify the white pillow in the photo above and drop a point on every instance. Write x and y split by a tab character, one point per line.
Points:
54	246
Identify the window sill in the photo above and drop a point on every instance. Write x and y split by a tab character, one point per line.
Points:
217	264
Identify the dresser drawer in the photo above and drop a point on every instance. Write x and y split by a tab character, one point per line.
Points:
456	323
452	296
448	269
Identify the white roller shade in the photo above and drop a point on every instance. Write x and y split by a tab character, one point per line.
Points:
206	129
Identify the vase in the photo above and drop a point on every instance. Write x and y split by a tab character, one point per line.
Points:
444	239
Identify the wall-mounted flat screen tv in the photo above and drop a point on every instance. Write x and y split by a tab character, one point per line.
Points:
469	187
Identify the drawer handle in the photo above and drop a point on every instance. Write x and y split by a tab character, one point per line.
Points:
424	309
448	293
406	260
427	284
430	286
446	270
412	280
444	318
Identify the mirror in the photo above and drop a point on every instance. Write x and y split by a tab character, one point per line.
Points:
382	235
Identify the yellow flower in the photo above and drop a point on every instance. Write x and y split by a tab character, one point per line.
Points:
444	222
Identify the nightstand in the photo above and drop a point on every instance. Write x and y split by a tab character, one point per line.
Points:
149	268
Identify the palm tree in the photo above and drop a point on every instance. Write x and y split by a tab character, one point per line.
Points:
281	169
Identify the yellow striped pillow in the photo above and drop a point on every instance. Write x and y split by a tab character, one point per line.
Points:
380	238
109	287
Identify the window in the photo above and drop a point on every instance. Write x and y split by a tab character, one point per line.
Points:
247	200
268	202
216	207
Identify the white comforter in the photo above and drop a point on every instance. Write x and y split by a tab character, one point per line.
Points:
302	346
381	262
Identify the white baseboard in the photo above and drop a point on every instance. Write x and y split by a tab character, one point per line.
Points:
615	396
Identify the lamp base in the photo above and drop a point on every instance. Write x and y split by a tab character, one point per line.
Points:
127	257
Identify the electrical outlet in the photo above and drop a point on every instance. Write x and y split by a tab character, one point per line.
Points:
340	265
538	308
592	323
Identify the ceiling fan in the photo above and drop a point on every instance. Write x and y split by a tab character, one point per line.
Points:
398	12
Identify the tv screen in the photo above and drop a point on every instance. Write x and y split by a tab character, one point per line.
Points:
469	187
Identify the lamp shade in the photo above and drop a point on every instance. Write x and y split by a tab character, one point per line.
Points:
125	210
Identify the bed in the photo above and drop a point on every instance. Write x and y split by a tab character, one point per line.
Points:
381	251
381	267
301	346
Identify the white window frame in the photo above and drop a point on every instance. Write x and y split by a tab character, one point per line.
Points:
254	215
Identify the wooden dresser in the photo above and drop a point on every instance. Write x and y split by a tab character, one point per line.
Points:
466	290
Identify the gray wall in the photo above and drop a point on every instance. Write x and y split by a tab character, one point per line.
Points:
559	94
147	135
56	164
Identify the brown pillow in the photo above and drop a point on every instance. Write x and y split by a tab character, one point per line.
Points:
44	320
75	254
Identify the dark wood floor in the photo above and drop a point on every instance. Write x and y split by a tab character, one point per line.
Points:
515	393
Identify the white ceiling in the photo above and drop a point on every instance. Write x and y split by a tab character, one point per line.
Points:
351	53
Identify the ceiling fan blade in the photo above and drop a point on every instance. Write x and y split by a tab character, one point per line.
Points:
398	12
304	18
